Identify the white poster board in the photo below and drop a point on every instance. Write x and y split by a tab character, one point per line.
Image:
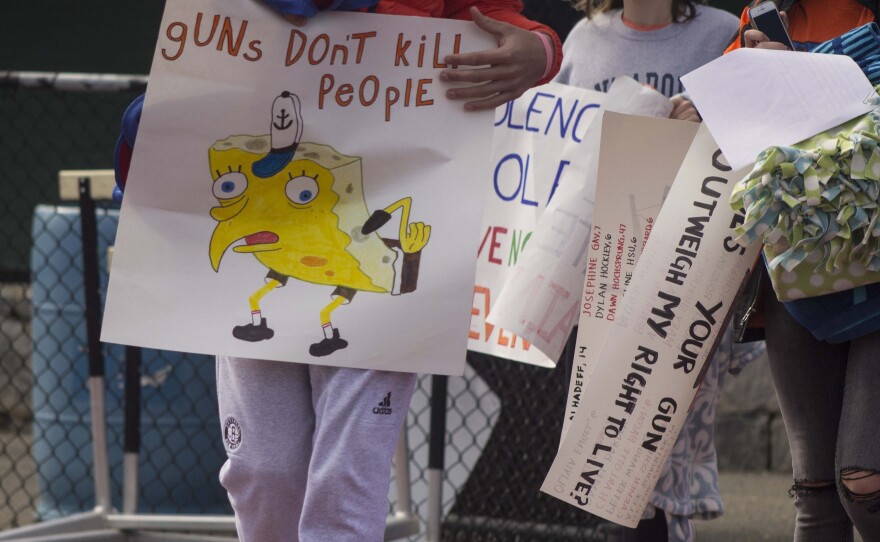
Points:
629	195
538	147
230	228
540	301
660	342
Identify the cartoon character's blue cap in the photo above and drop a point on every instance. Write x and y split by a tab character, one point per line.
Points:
287	127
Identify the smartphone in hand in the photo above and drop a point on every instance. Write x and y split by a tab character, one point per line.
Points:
765	17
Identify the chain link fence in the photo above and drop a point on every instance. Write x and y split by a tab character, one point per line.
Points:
503	419
50	123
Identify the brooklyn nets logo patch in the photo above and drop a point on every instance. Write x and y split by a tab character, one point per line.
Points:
231	433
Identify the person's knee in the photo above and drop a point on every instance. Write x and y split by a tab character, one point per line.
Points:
246	480
267	503
860	485
806	487
814	485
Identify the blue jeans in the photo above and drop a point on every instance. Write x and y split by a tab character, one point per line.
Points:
828	394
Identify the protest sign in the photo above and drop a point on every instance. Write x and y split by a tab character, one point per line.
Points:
537	148
653	360
285	199
629	195
540	299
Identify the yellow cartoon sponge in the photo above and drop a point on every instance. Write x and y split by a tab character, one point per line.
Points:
304	221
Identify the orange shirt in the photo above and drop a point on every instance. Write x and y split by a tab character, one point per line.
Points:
811	22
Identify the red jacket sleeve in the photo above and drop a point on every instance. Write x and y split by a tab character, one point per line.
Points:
509	11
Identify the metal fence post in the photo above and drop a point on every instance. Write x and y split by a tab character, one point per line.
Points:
132	442
96	356
436	451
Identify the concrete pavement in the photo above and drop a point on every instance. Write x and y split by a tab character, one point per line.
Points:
757	509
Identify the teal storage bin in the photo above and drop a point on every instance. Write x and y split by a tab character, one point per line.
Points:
181	447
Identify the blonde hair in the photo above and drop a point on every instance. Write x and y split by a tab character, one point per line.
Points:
682	10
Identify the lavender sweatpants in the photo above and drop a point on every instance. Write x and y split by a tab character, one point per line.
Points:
309	448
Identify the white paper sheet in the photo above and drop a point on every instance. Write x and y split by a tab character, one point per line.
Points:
752	99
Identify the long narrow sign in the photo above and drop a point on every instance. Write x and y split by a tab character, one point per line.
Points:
629	195
662	338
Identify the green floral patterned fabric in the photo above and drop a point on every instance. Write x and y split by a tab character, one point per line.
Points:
815	207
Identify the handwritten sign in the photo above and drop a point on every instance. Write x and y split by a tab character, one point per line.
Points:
541	299
630	193
658	346
285	200
537	147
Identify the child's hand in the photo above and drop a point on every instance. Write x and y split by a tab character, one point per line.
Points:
506	72
684	110
755	39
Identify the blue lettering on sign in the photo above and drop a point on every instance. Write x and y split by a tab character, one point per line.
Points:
568	118
521	174
534	109
576	134
508	116
577	123
562	165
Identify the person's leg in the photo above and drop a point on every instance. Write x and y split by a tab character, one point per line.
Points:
359	415
809	378
652	529
680	528
858	456
268	422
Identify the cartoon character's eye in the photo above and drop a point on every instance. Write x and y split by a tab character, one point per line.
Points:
301	189
230	185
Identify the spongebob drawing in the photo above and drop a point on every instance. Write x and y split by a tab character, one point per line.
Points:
299	208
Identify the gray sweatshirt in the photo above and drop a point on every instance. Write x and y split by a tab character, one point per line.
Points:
599	49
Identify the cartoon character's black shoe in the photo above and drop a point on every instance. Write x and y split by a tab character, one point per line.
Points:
252	333
328	346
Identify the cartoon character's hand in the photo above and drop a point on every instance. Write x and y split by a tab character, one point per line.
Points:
417	235
413	235
506	72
